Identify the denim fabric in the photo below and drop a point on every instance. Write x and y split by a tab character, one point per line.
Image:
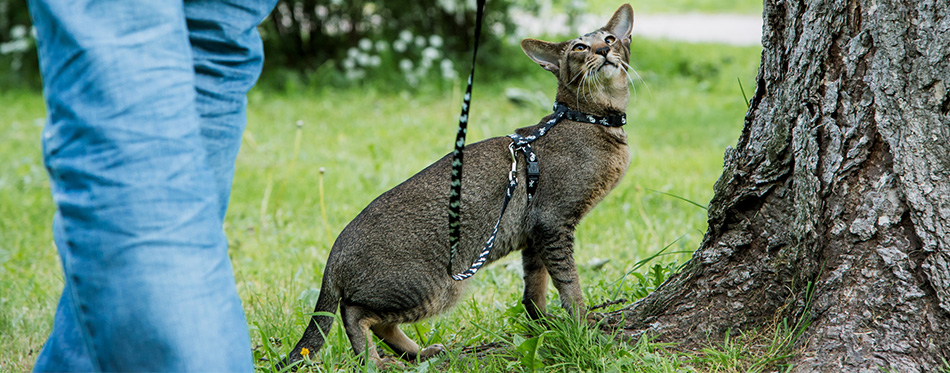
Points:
146	107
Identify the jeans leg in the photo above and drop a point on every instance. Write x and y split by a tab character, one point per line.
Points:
66	349
228	56
144	254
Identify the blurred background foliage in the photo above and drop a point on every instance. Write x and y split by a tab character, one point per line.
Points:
18	63
326	42
391	43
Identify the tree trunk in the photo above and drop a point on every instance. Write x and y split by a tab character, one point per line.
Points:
840	179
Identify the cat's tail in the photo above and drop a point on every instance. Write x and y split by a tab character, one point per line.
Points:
320	323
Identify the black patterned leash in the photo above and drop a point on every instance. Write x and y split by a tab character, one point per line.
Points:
523	144
510	191
455	193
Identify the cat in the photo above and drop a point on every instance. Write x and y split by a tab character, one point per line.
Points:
389	265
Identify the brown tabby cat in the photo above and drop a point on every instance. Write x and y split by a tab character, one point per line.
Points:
389	265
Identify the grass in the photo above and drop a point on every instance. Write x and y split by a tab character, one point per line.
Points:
296	187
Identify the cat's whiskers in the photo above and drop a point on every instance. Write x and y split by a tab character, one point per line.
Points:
630	80
575	77
577	90
626	73
601	83
580	87
593	69
639	78
589	82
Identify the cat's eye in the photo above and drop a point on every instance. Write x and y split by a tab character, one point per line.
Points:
580	48
610	39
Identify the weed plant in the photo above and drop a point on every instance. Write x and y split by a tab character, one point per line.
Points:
313	157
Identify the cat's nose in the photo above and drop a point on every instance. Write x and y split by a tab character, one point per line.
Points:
602	50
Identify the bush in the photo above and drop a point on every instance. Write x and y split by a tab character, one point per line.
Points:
418	40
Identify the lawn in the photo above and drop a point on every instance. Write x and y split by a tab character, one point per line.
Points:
313	157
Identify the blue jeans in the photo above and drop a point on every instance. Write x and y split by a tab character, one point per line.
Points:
146	107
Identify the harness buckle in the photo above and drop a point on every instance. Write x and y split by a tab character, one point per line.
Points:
533	169
514	162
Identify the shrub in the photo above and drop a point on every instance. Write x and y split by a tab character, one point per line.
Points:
416	39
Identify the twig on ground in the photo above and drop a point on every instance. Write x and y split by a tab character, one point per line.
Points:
607	304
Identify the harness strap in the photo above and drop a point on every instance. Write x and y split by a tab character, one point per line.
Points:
523	144
533	170
509	192
561	111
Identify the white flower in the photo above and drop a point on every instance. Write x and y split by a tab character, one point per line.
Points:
381	46
435	41
405	65
430	53
447	64
349	64
448	69
16	46
412	80
355	74
405	36
375	61
17	32
399	46
498	28
352	52
365	44
364	59
420	41
447	5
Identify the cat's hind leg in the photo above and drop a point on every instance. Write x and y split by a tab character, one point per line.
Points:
356	322
402	345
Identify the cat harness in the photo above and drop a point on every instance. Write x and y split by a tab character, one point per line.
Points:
523	144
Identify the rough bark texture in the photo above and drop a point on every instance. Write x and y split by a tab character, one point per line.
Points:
840	178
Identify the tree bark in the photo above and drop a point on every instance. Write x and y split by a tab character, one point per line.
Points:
840	179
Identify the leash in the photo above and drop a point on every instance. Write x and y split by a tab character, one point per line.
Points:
523	144
455	193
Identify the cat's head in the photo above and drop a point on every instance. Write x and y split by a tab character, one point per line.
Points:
592	70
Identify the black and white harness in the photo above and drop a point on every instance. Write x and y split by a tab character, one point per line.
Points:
561	111
523	144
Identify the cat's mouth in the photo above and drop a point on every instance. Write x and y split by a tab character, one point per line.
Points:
607	66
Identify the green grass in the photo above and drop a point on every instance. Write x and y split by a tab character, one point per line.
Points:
366	140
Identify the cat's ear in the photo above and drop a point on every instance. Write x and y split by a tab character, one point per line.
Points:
621	23
544	53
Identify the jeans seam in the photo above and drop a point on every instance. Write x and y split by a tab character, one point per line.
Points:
74	300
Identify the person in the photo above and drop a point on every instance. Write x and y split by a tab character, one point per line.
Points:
146	108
